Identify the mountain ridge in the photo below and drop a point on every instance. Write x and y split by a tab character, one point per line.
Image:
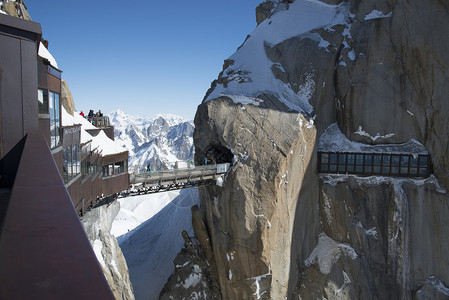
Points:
160	140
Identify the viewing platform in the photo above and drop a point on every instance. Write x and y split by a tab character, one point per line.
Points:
338	155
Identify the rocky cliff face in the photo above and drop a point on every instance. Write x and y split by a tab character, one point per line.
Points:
279	230
381	238
16	9
97	224
67	98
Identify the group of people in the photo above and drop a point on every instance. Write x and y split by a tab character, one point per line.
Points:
91	114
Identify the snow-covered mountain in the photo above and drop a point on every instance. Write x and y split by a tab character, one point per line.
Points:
160	140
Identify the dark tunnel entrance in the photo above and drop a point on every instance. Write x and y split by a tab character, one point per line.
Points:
215	154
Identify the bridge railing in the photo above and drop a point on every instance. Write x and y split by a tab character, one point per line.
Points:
180	174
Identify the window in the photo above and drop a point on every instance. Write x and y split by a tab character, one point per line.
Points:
76	159
55	125
407	165
386	159
377	163
325	162
71	162
404	164
342	162
359	163
115	169
42	96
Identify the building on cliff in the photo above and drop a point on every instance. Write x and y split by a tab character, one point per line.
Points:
50	170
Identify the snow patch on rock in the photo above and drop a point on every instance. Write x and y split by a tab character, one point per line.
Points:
327	252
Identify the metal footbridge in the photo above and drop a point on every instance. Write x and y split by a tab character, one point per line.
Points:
160	181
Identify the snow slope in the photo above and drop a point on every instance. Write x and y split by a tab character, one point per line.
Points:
151	247
250	75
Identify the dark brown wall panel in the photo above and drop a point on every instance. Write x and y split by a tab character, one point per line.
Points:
10	93
54	84
29	86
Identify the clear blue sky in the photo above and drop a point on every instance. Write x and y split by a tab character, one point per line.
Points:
144	57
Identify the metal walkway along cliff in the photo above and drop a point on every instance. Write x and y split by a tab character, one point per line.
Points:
160	181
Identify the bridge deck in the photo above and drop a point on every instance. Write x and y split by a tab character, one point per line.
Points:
156	181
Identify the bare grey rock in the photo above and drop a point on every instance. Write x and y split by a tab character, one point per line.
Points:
192	278
264	10
67	98
388	224
249	219
431	289
16	9
97	223
279	230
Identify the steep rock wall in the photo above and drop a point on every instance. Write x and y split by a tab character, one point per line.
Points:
97	224
250	218
67	98
381	238
381	73
396	83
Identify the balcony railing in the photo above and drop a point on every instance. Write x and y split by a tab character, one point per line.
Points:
367	164
99	122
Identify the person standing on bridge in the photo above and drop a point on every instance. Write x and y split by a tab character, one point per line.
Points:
148	168
205	161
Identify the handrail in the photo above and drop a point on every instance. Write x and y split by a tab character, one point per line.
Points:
176	174
373	163
100	122
44	250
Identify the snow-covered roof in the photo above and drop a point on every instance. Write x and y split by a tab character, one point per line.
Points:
333	140
101	141
76	119
108	146
250	74
44	53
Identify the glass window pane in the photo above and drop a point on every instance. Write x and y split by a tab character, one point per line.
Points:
422	171
394	170
368	169
57	120
351	159
413	161
376	169
377	159
51	103
350	168
385	170
359	169
395	160
423	161
42	96
404	161
341	159
359	159
368	159
341	168
333	158
324	167
413	171
386	160
333	168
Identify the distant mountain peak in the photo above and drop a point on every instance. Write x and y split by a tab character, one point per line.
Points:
158	140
